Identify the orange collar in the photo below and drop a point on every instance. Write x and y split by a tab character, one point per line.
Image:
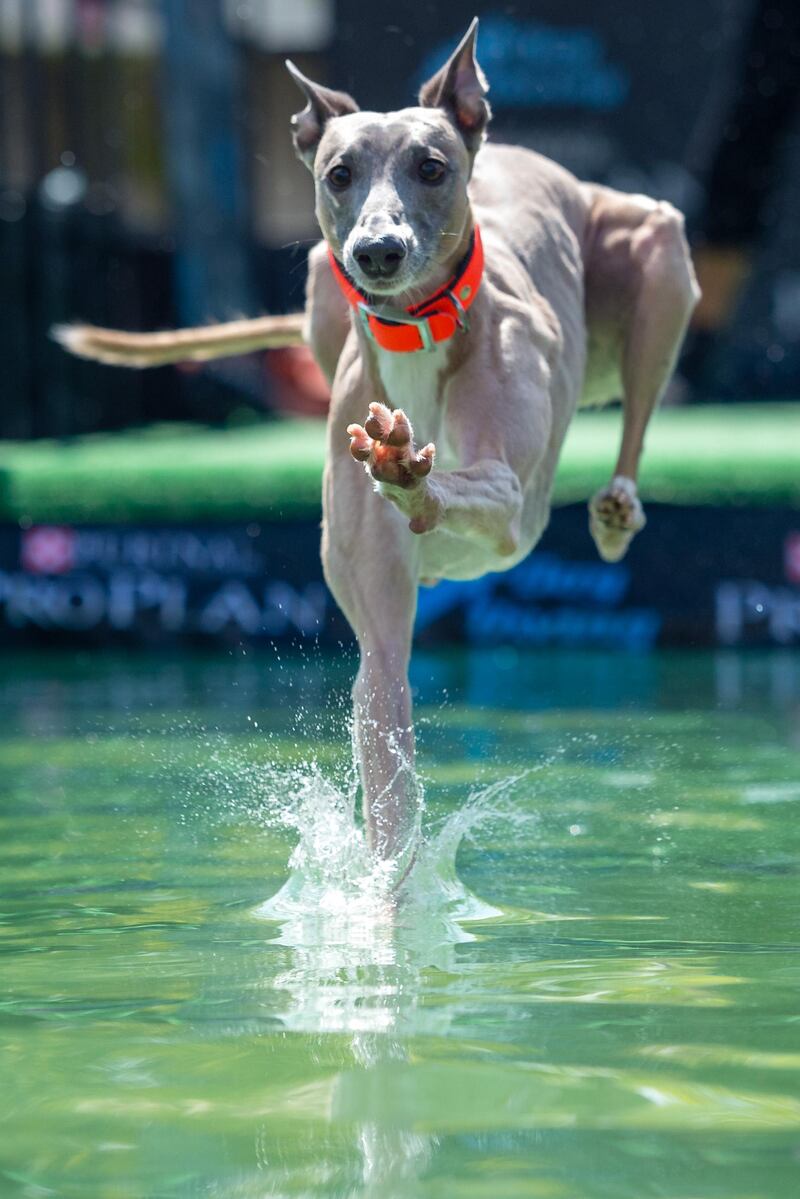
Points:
428	323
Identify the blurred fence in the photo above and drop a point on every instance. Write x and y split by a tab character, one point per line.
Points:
147	177
58	263
138	189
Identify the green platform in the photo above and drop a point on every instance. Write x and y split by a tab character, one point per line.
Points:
743	455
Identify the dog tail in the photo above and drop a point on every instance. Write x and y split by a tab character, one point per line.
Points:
181	345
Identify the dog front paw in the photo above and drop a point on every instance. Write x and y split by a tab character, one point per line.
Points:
385	445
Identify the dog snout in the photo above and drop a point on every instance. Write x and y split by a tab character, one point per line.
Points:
379	257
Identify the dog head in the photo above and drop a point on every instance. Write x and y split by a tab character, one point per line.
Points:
391	188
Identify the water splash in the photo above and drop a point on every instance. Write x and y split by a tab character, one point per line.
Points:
335	877
360	944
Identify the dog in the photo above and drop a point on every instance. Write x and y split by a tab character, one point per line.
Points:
466	300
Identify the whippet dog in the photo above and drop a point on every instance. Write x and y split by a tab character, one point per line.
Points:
466	299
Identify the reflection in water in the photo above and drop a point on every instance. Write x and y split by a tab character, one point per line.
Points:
358	948
621	1025
42	700
359	953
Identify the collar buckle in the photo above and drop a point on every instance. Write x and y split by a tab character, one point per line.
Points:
420	323
462	316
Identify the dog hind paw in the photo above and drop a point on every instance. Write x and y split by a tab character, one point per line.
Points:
616	515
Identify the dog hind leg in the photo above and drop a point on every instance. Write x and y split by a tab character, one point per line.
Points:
640	254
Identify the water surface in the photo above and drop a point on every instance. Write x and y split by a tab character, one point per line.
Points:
596	999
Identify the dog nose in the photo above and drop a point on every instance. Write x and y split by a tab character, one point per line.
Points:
379	258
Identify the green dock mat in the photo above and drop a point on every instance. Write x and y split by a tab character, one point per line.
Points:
740	454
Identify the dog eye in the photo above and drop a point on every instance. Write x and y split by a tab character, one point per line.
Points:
431	170
340	177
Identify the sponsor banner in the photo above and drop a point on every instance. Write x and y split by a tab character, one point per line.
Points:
161	583
695	576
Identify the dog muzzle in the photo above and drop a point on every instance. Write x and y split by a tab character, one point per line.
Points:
424	325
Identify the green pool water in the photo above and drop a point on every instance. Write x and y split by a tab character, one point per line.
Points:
600	1000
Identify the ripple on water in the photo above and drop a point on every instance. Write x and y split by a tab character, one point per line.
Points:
601	1002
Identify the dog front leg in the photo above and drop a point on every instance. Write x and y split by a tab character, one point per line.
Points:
481	502
384	739
370	565
378	596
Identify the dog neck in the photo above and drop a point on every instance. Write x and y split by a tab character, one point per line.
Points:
427	322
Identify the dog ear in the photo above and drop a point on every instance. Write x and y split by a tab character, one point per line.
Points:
460	88
323	104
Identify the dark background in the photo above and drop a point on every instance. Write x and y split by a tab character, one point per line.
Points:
147	178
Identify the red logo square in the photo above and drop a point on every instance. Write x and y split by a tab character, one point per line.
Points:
791	557
48	550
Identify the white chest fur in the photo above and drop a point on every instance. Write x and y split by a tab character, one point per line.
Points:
413	382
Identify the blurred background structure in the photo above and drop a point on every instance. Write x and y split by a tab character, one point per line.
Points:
147	180
147	177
